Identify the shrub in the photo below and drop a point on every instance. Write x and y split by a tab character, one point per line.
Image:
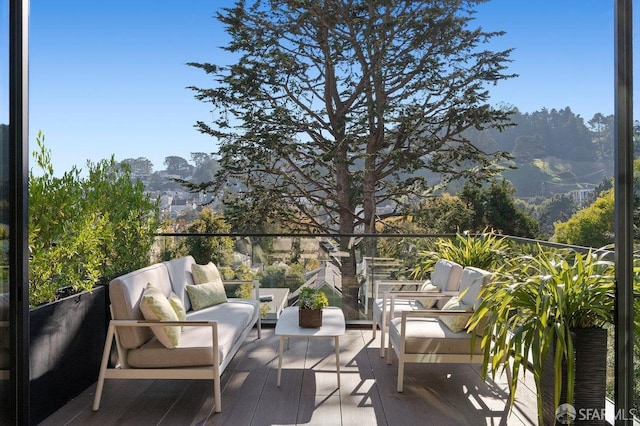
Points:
485	251
84	230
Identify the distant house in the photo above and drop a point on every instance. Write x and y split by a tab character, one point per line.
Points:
180	206
582	196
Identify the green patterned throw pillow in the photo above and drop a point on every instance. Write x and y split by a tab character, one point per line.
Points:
156	307
205	295
178	306
456	323
205	273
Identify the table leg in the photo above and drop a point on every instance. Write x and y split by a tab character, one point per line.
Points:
280	359
336	343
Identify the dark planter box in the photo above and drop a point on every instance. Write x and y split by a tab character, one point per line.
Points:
310	318
590	348
67	338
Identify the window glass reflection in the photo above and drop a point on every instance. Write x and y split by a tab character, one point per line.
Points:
4	211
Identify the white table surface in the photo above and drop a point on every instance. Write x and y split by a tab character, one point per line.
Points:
333	325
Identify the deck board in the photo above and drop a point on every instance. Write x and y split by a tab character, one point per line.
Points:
308	395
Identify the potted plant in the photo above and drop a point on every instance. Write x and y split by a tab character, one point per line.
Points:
311	302
549	309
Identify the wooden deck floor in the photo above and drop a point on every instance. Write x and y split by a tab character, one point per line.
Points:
448	394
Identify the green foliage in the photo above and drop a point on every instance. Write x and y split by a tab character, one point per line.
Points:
558	208
475	208
133	217
291	276
444	214
205	249
531	306
591	226
83	230
486	251
312	299
495	208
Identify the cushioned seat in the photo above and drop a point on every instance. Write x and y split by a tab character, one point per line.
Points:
413	295
195	344
429	336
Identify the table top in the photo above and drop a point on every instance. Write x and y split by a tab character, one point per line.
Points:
333	323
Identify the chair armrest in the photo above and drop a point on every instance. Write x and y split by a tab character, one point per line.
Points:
426	313
403	294
444	295
391	283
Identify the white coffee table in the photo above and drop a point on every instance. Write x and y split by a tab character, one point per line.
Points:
333	325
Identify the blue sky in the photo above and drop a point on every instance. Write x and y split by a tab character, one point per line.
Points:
110	77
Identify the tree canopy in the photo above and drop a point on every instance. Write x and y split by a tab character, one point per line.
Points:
334	107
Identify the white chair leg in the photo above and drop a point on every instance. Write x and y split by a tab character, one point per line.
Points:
383	341
400	374
374	329
217	400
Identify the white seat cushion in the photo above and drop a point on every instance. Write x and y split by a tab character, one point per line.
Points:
430	336
194	348
400	305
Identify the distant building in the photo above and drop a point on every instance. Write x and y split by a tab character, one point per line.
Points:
326	278
582	196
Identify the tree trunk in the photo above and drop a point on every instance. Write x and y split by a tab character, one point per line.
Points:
350	285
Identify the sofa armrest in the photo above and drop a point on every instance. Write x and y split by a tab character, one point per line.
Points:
114	324
148	323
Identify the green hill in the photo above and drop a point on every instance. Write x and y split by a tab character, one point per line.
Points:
551	176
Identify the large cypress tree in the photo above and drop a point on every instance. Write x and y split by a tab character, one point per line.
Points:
335	107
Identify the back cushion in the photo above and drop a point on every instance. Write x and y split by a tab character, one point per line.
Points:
446	275
125	293
180	275
470	283
453	283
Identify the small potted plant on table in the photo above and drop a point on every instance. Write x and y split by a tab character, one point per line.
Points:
311	303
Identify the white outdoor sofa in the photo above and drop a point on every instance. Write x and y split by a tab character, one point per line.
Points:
444	280
421	336
209	339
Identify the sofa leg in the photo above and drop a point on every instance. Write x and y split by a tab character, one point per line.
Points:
103	367
259	327
400	375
